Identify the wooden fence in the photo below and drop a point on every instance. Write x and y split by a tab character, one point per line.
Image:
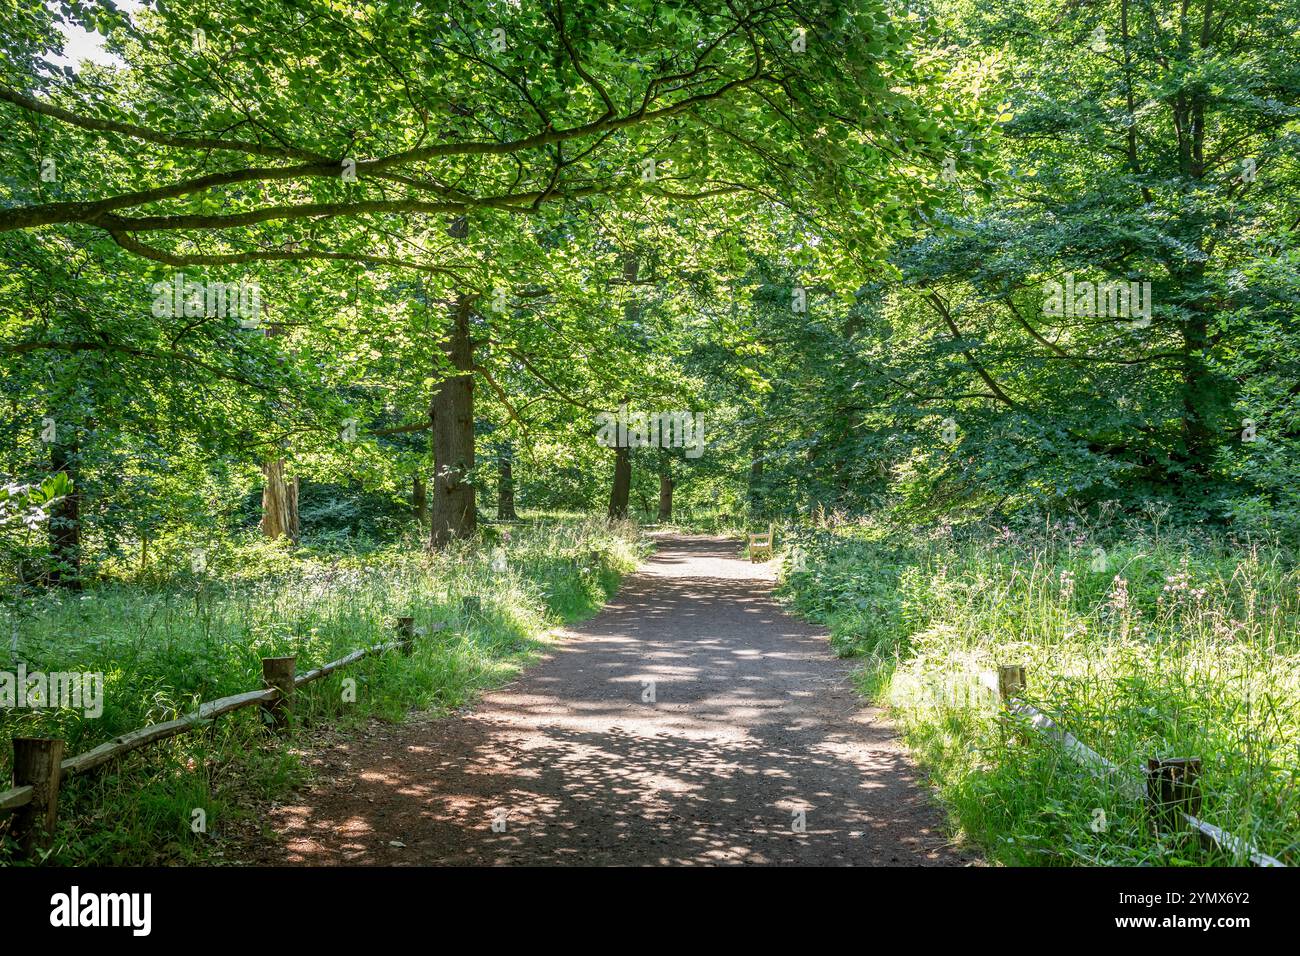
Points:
1172	788
40	767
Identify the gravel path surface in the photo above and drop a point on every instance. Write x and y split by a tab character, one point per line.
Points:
754	729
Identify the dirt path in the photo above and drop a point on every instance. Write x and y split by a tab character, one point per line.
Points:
753	720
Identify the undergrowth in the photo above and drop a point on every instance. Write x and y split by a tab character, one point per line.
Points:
1141	641
198	631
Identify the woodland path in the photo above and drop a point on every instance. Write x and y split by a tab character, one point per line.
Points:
753	719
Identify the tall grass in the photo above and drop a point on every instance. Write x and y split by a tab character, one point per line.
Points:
1139	641
196	636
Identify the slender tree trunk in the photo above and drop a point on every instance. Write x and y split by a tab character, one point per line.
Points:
756	482
1207	395
454	514
1206	398
622	483
419	500
279	502
65	519
622	487
506	484
665	497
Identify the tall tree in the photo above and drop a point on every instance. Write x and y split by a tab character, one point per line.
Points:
621	486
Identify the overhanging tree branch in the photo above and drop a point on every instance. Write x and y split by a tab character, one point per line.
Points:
269	255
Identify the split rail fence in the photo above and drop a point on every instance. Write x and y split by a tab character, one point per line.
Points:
1172	788
39	766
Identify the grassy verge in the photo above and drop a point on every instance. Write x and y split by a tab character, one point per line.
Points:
1141	643
199	635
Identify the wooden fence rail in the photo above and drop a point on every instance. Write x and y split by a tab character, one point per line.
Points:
15	798
39	767
1172	785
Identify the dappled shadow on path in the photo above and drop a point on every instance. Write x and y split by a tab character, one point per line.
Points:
691	722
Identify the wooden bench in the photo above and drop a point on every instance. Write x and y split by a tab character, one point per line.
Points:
760	545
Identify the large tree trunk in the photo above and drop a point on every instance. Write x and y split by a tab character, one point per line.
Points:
279	502
279	496
454	514
65	519
622	483
506	484
419	500
665	497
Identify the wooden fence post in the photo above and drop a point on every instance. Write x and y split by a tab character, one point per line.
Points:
1011	681
1174	788
278	672
36	765
406	634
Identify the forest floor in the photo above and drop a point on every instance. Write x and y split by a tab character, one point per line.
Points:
754	749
